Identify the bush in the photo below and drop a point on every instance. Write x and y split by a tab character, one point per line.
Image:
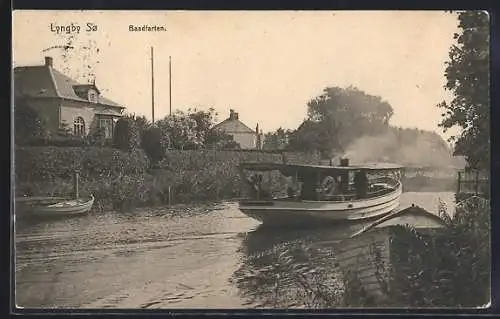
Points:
126	136
444	268
151	143
123	180
27	123
48	163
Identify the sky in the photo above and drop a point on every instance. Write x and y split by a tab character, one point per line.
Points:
265	65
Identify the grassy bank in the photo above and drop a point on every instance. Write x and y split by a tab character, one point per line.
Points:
121	180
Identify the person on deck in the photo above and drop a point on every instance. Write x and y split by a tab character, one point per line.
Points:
329	186
253	183
361	184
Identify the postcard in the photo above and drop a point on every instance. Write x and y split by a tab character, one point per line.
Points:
251	159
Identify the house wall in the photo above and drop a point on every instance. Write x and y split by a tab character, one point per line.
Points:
48	111
357	255
246	140
72	109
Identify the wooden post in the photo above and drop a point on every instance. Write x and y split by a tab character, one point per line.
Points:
477	182
170	84
75	184
152	88
318	185
169	196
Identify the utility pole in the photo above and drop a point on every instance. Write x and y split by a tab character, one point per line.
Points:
170	83
152	87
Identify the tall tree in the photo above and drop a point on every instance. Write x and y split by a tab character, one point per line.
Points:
277	140
468	78
204	121
338	117
180	128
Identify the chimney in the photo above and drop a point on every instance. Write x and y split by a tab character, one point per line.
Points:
233	115
48	61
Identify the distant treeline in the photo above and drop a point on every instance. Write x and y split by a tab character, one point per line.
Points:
347	122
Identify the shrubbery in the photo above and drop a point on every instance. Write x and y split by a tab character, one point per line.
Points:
126	137
449	267
123	180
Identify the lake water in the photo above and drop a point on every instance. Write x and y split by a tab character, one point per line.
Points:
209	256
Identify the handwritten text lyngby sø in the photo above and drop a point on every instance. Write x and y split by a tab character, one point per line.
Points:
72	28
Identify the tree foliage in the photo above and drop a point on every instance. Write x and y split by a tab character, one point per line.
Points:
450	268
27	123
278	139
180	130
204	120
338	117
153	144
217	139
468	78
126	136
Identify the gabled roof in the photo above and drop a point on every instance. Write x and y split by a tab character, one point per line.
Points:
233	126
45	81
402	217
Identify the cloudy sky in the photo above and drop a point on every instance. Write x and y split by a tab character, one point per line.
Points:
266	65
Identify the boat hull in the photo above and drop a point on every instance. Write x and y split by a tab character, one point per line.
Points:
62	208
291	212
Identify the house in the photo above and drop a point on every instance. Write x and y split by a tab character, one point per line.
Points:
371	252
242	134
61	101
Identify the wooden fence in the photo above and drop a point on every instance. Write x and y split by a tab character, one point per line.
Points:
475	182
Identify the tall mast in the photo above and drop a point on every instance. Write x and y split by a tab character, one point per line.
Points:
152	87
170	83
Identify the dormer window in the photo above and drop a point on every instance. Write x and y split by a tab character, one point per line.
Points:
92	96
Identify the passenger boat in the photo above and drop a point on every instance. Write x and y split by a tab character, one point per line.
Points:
53	206
360	192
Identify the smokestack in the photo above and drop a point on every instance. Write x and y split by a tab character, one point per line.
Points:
344	162
48	61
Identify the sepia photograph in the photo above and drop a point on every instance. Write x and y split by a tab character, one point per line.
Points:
251	159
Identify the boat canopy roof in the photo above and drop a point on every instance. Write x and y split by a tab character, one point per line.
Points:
292	169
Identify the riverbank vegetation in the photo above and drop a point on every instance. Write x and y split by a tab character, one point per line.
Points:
122	180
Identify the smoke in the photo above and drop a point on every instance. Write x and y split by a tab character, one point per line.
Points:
407	147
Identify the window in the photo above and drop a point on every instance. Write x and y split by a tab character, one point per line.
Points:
79	127
107	127
92	96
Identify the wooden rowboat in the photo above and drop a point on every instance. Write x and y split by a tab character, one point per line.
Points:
54	206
